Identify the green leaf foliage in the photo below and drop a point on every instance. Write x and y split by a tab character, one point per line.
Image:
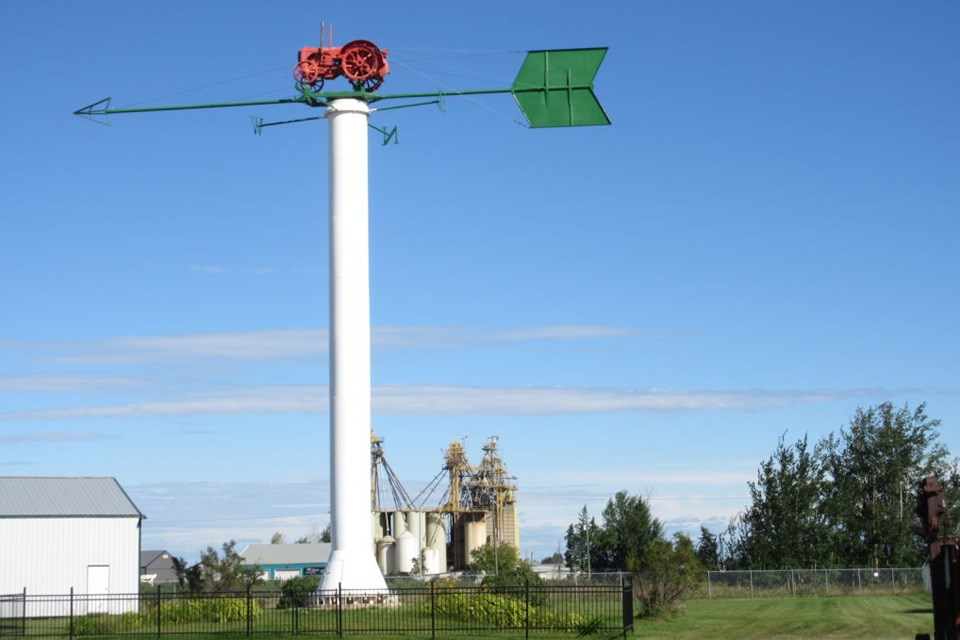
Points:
493	610
848	501
506	573
296	592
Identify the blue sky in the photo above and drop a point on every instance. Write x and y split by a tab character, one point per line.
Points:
764	240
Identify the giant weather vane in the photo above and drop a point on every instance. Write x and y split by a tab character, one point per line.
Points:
553	89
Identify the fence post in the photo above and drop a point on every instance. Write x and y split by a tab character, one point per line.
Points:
709	585
71	613
339	609
159	603
23	614
433	614
249	610
526	607
751	583
626	604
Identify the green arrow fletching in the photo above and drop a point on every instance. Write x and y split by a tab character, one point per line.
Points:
555	88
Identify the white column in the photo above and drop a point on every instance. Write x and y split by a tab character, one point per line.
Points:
352	563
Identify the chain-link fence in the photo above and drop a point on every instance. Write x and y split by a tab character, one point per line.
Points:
813	582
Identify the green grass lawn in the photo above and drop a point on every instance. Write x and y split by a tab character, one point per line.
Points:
828	618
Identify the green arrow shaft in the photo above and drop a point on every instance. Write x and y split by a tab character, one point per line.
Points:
472	92
92	110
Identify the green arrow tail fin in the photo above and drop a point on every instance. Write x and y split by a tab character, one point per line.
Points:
555	88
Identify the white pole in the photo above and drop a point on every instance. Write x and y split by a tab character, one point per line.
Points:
352	563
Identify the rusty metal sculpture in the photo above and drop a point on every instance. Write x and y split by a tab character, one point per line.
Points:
943	558
361	62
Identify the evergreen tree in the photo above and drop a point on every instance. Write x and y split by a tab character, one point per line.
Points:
628	529
582	540
708	550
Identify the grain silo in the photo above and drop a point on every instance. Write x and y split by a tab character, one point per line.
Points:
477	507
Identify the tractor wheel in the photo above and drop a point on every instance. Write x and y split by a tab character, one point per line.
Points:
361	61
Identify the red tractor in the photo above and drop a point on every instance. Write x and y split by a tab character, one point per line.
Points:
360	61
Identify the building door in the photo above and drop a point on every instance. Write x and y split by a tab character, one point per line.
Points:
98	587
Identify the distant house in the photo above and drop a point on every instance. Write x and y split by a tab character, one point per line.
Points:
285	561
156	567
552	571
63	534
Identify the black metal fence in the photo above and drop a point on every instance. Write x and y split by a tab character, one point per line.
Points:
426	611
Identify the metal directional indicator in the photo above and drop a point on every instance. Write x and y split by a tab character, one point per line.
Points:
554	88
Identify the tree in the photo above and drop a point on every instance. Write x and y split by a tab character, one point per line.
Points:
506	572
783	527
582	543
313	536
874	467
221	572
708	550
628	528
276	538
666	576
181	567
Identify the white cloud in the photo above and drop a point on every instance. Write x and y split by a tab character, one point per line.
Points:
439	400
250	345
186	517
59	383
20	438
251	401
271	344
464	400
443	336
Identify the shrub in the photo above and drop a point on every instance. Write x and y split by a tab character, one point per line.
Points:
499	611
296	592
668	575
219	610
93	624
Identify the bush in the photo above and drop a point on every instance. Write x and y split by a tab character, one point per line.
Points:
296	592
494	610
104	624
93	624
667	576
219	610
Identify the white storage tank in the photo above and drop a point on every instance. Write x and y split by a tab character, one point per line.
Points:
475	536
407	552
415	525
386	555
436	539
430	561
399	523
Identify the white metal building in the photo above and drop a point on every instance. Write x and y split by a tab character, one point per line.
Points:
58	534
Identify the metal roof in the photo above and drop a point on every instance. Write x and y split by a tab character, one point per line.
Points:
26	497
271	554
